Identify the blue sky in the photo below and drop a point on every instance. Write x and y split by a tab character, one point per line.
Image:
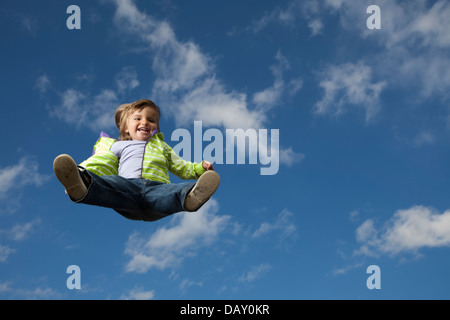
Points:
364	132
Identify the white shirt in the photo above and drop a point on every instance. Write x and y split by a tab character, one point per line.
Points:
131	155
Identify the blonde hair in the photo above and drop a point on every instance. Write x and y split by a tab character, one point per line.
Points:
124	111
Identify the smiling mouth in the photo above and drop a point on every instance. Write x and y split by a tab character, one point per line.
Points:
144	130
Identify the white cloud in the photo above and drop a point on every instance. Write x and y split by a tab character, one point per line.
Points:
407	231
428	73
188	235
138	294
346	269
24	173
273	95
366	231
101	110
95	111
126	80
35	293
169	246
186	283
334	4
210	103
283	225
255	272
5	251
20	232
415	39
291	16
289	157
354	215
14	178
346	85
42	83
180	66
29	23
432	26
72	108
424	138
316	26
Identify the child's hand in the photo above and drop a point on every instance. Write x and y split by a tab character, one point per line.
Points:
207	165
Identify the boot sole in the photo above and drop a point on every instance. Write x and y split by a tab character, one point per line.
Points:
66	170
205	187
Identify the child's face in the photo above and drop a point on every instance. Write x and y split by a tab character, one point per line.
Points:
141	124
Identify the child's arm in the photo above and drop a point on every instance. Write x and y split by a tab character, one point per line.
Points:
185	169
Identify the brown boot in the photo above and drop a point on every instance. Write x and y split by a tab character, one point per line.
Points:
205	187
68	173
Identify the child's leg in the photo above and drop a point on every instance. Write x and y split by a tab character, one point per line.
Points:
162	199
113	192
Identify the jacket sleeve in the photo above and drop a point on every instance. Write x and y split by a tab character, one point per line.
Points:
103	162
181	168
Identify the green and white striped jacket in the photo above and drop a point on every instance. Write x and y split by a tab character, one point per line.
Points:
159	159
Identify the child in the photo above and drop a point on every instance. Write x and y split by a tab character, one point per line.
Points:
131	175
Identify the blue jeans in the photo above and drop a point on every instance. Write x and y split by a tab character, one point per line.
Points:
137	199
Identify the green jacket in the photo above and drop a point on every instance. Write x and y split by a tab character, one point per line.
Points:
159	159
